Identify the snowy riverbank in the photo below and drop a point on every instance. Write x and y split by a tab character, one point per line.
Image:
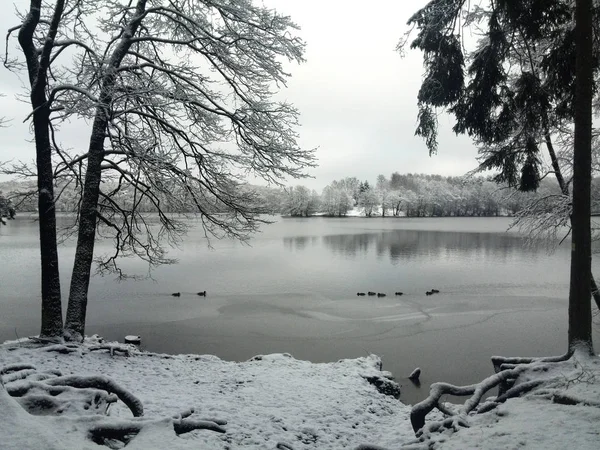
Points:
273	401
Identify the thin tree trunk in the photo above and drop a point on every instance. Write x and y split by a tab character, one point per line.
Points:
37	66
565	190
580	313
595	292
88	215
555	165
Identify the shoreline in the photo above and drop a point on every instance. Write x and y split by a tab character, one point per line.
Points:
270	400
436	345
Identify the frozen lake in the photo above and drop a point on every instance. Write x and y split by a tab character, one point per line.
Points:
294	290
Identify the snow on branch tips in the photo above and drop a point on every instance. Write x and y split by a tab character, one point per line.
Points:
180	102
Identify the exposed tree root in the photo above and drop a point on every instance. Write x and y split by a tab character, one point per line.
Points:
45	340
112	348
125	431
515	391
476	391
18	375
101	383
499	361
369	447
89	397
15	368
507	371
62	348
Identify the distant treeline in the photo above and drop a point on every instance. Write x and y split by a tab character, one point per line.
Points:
23	195
410	195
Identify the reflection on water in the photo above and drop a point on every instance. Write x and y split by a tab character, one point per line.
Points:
410	244
300	242
471	257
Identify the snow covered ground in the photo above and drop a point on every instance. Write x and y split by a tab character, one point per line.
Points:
270	400
275	401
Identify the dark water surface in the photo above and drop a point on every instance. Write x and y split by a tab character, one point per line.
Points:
294	290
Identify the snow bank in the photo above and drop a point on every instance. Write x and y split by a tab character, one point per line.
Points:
269	400
277	402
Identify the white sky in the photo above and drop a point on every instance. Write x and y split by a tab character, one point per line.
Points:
355	94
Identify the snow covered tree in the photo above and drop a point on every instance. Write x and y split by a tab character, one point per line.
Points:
352	187
517	93
180	98
300	201
335	200
368	200
383	189
37	35
395	200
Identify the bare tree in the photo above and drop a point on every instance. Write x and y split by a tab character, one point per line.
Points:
180	97
37	36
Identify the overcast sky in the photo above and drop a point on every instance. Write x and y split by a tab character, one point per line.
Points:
355	93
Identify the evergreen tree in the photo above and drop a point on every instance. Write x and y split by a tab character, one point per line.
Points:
514	93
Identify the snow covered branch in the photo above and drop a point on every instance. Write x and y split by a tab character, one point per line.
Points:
508	370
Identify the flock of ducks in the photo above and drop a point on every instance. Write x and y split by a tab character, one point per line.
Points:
370	293
178	294
381	294
378	294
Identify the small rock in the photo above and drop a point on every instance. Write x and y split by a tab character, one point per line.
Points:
415	374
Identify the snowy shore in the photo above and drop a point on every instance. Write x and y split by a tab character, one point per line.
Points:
272	401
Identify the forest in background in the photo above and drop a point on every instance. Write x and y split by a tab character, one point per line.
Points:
409	195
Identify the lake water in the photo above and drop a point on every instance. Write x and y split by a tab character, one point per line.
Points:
294	290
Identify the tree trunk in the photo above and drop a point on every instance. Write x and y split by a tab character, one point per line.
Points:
37	67
580	312
555	165
86	237
88	215
52	322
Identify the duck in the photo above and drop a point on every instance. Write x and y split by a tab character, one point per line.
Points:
371	293
428	293
399	293
176	294
379	294
435	291
202	293
360	293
